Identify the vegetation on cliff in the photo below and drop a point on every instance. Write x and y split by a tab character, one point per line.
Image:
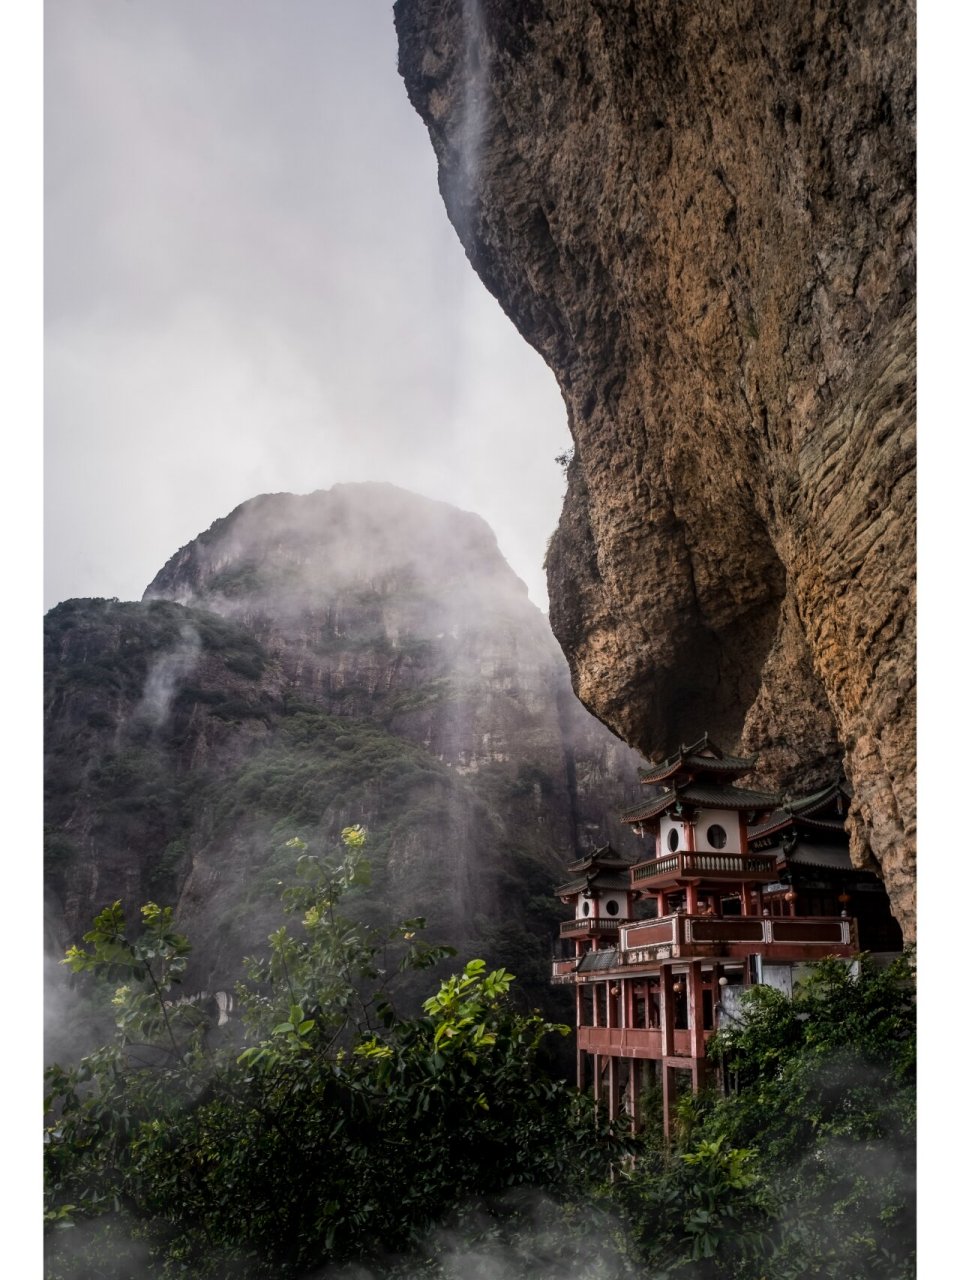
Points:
360	653
331	1129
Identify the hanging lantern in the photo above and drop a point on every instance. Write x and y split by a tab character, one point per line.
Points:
843	898
790	895
678	987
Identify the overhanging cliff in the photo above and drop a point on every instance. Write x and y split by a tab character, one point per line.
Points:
702	216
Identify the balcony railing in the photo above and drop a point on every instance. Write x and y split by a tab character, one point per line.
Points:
632	1042
683	934
589	924
733	866
564	968
648	933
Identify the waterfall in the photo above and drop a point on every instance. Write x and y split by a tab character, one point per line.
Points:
473	113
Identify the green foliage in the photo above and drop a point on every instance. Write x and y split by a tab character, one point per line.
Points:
339	1130
807	1169
699	1214
153	962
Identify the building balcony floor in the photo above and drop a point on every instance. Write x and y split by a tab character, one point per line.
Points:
584	926
645	943
672	870
636	1042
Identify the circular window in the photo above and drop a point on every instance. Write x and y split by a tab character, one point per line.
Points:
585	908
716	836
613	907
673	840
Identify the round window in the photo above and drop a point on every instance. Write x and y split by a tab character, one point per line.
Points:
585	908
613	907
716	836
673	840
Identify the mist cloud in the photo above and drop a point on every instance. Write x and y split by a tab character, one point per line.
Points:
165	676
252	287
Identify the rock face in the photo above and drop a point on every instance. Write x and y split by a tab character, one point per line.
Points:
358	655
702	216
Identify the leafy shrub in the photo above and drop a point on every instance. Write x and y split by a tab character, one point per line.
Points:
341	1130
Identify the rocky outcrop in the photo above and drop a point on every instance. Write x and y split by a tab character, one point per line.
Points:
355	655
702	216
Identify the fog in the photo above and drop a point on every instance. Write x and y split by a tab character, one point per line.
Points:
252	286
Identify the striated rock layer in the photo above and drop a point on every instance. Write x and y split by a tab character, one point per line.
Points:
702	216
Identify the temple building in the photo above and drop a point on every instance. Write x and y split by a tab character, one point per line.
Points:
743	887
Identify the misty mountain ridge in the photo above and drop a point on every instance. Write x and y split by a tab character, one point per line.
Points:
354	655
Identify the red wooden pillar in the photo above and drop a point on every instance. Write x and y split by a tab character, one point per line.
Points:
669	1096
579	993
613	1089
666	1043
691	899
695	1023
633	1068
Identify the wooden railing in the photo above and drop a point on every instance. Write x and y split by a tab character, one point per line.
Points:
590	924
631	1042
647	933
687	931
560	968
727	865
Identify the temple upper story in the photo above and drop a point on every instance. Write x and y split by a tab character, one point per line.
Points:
743	886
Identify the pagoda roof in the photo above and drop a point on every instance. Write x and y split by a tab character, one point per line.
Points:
823	856
811	810
598	880
703	797
703	756
606	857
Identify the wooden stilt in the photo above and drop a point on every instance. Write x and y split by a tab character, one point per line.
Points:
695	1023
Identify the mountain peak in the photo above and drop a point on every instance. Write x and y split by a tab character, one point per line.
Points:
300	547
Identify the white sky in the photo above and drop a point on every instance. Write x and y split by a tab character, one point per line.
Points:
252	286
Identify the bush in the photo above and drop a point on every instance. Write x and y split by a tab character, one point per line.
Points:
341	1130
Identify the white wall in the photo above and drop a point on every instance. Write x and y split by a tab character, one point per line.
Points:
605	895
666	826
619	898
730	821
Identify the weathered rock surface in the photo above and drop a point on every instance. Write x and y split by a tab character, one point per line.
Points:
702	216
355	655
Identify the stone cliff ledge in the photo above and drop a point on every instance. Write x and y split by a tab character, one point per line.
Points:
702	216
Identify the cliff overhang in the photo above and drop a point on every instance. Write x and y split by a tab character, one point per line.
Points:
702	216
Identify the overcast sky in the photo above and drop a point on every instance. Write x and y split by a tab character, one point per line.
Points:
252	286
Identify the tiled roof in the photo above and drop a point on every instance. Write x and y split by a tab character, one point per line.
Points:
594	884
704	797
803	808
605	857
702	756
829	857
